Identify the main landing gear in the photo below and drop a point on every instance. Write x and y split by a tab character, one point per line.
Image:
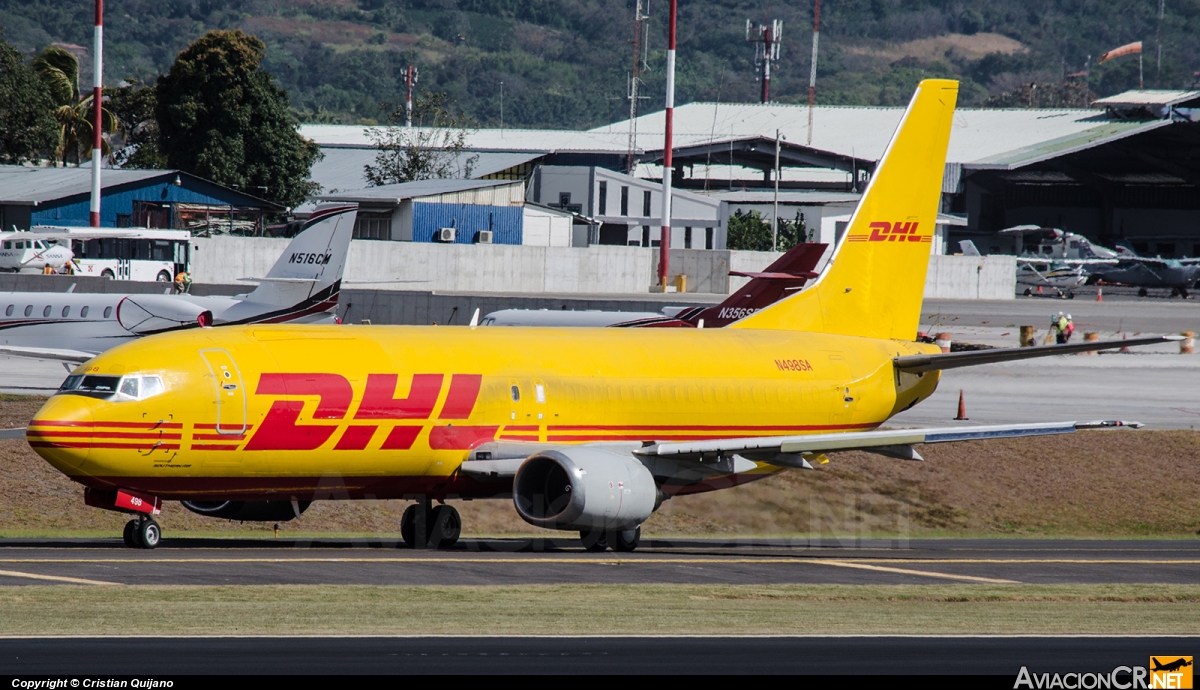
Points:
142	533
597	540
440	526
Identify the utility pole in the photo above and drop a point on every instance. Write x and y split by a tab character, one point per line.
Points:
641	41
1158	41
412	79
501	110
775	214
664	242
97	97
766	50
812	74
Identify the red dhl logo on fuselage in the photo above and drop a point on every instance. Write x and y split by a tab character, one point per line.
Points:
281	430
883	231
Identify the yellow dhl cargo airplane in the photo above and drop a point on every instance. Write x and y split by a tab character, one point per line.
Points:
586	429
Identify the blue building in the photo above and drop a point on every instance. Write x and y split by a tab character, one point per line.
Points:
141	198
476	211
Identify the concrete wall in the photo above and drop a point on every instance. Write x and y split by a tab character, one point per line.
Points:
595	269
971	277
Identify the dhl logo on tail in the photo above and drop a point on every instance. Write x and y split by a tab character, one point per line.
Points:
883	231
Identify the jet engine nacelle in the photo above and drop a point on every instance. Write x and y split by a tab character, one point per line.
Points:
248	511
144	314
584	488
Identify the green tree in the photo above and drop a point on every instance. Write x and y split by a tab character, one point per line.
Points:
27	128
434	147
134	105
222	118
59	71
751	231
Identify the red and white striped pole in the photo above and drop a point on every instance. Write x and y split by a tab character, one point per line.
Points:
664	243
98	83
412	78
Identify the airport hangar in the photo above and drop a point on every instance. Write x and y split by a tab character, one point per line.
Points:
165	199
1127	169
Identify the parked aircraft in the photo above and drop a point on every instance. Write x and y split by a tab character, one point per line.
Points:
1056	275
785	275
28	252
1144	272
302	287
588	430
1052	243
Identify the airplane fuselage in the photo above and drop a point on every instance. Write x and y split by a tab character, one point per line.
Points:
303	413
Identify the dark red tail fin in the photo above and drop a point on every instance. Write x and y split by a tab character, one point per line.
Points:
783	277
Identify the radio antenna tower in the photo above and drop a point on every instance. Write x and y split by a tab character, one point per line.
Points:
641	40
766	41
812	75
410	80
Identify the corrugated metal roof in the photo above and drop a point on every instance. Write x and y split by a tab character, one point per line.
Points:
766	196
412	190
24	185
342	168
507	140
1148	97
1009	135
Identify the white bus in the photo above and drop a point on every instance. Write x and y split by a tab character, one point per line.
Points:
128	253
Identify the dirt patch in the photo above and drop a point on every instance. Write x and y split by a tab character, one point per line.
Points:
1104	483
962	46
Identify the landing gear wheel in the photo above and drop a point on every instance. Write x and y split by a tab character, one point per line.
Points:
1071	294
625	540
1142	292
1028	292
445	526
593	540
130	535
148	533
408	526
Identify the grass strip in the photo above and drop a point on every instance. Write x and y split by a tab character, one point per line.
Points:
600	609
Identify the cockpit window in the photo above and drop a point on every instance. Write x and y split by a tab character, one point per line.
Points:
113	387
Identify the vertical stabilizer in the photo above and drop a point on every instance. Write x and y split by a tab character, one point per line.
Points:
309	272
875	282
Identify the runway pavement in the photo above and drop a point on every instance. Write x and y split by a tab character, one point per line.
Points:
997	656
194	561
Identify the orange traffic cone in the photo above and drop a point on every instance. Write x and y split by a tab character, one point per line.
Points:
962	409
1039	289
1099	294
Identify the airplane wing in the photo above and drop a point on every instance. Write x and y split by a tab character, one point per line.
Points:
954	360
70	356
788	451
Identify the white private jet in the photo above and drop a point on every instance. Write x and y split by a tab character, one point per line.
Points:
302	287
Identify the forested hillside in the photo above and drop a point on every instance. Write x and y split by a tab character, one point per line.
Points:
565	63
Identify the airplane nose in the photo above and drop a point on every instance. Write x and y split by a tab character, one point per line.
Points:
61	432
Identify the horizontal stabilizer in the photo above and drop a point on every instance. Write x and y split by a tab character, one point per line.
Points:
71	356
954	360
807	275
768	446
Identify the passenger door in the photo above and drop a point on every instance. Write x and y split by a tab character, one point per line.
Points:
230	392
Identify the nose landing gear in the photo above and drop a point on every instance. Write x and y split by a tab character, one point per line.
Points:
143	533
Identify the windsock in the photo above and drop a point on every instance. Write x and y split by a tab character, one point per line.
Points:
1127	49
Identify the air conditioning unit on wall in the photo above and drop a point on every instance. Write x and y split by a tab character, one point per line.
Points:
445	234
483	237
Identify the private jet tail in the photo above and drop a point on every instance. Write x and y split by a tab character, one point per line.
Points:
307	278
876	279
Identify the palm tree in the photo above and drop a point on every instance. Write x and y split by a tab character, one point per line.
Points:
59	71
